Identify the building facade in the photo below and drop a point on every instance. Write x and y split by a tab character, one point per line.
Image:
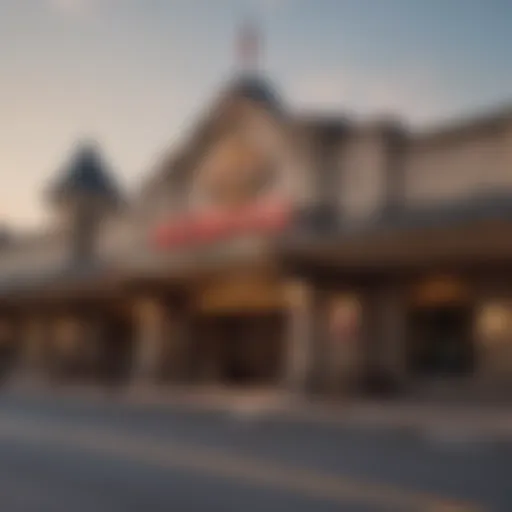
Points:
307	253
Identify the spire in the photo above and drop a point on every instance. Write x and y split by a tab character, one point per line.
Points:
85	174
249	47
249	82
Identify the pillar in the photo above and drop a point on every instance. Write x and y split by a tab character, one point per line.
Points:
305	337
344	355
150	339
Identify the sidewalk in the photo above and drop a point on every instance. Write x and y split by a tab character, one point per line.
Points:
468	421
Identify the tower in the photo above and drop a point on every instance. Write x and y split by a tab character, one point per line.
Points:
83	195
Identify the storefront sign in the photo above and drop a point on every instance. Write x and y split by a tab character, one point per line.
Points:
440	290
241	293
196	229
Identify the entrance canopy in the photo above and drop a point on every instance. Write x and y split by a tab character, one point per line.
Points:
471	231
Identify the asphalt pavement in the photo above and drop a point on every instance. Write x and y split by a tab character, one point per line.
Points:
73	454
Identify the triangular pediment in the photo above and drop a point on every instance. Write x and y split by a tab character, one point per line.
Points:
244	155
234	112
246	106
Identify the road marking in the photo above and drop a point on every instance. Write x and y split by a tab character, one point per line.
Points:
249	469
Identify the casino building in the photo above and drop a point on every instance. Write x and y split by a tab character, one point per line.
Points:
301	252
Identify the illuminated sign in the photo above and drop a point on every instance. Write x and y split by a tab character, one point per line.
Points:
262	217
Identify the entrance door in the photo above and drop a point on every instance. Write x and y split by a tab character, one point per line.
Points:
235	362
243	349
440	343
116	350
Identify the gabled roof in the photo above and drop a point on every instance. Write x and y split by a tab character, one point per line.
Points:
85	174
252	88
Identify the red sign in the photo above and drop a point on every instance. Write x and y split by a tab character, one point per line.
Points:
264	217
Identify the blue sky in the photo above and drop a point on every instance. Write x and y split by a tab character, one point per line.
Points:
134	73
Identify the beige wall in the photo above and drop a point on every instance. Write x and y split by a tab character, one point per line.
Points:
123	235
453	168
259	137
304	186
362	176
183	190
442	167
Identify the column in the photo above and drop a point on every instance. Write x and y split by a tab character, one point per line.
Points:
305	337
150	339
344	356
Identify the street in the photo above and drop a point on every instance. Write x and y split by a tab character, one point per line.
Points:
65	454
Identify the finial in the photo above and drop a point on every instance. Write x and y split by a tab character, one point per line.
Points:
249	46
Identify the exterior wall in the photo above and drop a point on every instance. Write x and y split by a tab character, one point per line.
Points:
127	238
362	177
370	172
320	146
123	236
453	167
153	330
344	344
263	140
179	186
307	189
273	138
170	198
302	336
